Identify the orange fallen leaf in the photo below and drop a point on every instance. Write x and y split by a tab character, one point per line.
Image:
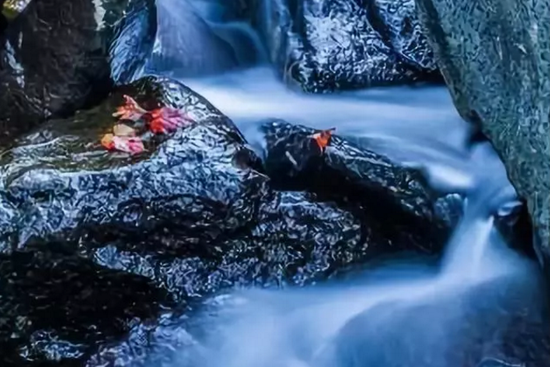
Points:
167	119
322	138
107	141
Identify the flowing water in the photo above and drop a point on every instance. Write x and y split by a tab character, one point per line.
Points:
407	312
305	327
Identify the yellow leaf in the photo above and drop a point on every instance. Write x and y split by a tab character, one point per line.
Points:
107	141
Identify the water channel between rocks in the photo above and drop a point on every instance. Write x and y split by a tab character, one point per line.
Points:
406	312
322	301
403	313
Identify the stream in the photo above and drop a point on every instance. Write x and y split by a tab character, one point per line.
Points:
405	311
219	183
332	325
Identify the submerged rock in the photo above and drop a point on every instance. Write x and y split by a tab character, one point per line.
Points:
495	56
61	55
328	45
500	322
194	213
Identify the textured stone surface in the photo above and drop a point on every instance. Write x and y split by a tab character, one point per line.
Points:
55	307
495	57
327	45
60	55
194	214
357	177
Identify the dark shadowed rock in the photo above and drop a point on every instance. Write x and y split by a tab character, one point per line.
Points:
358	177
194	214
69	186
57	308
203	182
327	45
495	56
60	55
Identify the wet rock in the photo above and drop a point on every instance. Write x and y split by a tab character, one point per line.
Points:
57	308
194	213
360	178
61	55
203	182
288	244
328	45
181	340
495	58
69	187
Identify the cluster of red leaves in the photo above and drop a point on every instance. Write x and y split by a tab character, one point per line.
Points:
124	138
162	120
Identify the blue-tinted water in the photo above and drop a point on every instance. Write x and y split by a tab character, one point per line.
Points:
403	313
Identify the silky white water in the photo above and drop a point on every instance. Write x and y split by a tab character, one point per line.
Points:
419	126
308	327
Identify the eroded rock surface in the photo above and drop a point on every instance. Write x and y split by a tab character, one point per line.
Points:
328	45
495	56
358	177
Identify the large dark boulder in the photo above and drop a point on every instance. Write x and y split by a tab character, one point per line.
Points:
495	57
59	184
195	213
328	45
61	55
